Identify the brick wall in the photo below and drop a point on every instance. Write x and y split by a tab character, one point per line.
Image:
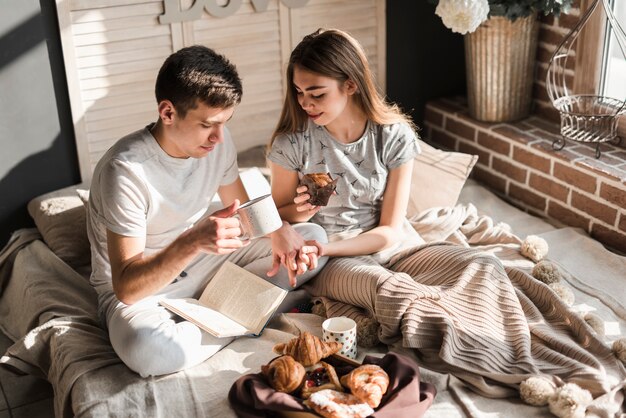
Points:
552	31
516	160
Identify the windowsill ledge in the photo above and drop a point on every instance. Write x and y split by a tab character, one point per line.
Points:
536	132
517	161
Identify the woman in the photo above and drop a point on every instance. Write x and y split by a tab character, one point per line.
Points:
334	121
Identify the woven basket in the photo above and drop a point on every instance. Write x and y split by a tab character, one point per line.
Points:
500	61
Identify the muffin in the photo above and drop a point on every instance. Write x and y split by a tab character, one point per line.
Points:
320	186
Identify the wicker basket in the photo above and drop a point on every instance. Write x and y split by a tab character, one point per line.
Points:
500	61
587	118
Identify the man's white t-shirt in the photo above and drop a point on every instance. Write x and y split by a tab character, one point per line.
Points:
138	190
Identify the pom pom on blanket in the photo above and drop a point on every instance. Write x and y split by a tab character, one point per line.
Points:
619	348
536	390
546	272
504	226
570	401
534	248
564	292
367	332
595	322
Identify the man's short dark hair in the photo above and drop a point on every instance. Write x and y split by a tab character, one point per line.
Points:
198	73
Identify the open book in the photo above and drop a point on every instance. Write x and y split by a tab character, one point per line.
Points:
235	302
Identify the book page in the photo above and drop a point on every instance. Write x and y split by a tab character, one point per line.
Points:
242	296
208	319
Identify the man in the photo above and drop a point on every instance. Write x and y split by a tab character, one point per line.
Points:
148	225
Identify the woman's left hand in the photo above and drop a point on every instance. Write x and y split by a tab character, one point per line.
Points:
309	255
302	201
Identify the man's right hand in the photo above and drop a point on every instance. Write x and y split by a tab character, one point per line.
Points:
218	233
136	276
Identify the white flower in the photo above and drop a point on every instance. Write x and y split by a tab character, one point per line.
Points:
462	16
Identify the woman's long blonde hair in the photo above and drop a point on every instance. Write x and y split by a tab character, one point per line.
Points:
336	54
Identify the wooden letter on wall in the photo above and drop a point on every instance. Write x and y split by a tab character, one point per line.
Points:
260	5
292	4
174	14
226	10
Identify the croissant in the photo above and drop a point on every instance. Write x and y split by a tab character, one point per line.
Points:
332	404
284	374
307	349
368	382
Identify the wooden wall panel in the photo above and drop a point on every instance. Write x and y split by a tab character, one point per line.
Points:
113	49
364	19
253	45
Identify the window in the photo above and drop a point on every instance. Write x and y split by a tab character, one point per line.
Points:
613	76
600	63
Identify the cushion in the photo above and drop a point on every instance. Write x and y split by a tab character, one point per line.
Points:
438	177
60	217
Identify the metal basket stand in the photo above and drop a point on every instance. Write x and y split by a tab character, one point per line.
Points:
584	117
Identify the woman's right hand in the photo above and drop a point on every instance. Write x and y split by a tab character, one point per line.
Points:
302	201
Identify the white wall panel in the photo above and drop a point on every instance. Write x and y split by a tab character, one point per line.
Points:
113	50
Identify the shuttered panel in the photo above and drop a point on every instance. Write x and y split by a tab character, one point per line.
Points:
364	19
111	57
251	40
113	50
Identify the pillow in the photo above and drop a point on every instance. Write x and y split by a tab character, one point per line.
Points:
60	217
438	177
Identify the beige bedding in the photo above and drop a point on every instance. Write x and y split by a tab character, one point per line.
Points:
49	310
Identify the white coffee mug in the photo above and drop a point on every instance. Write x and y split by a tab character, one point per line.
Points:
258	217
341	329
